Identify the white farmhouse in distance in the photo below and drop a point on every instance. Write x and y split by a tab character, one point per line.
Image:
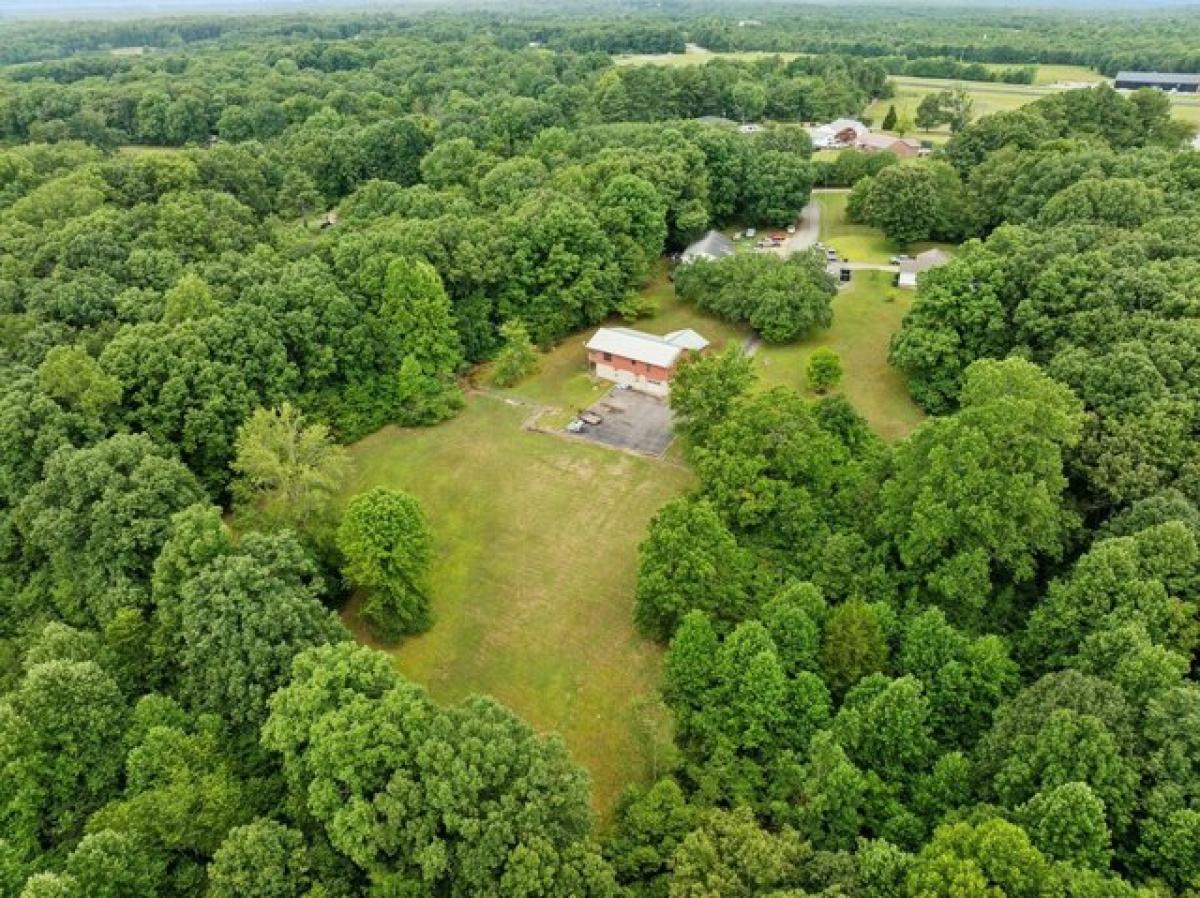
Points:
842	132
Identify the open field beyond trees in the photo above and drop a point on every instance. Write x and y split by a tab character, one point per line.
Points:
993	97
989	96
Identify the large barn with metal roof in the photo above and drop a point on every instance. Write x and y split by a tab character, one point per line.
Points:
1170	81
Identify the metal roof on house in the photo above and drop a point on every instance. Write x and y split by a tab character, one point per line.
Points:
636	345
878	141
1159	77
686	339
887	141
713	245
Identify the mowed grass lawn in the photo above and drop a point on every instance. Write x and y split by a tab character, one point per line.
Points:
533	579
865	315
855	242
992	96
536	536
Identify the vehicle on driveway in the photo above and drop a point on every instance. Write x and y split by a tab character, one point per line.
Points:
627	419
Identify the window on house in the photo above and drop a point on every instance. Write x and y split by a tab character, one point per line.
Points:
608	356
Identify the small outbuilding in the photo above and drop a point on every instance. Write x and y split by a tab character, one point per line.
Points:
712	246
641	361
910	268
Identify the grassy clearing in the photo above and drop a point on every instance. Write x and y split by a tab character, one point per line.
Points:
865	315
992	97
858	243
1186	108
141	149
536	537
536	545
988	97
1059	74
694	56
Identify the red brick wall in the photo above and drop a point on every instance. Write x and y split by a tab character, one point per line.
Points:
652	372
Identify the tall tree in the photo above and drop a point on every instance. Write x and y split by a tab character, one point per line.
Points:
420	322
976	501
288	469
517	358
243	617
465	770
99	518
706	387
57	732
388	547
691	561
263	858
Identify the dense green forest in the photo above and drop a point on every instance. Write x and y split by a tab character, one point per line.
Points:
964	665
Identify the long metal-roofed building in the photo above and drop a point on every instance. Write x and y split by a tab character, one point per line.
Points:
1169	81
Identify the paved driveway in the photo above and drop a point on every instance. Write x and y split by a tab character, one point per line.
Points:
631	420
808	229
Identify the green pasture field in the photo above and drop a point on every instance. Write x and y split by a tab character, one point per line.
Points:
865	315
532	584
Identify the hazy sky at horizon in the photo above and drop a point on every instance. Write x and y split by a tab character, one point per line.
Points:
51	8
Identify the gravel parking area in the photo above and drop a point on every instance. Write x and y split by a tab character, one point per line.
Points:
631	420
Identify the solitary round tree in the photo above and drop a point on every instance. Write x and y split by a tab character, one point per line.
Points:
824	369
387	545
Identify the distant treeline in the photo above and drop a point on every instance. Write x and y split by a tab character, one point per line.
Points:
928	40
1108	42
944	67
